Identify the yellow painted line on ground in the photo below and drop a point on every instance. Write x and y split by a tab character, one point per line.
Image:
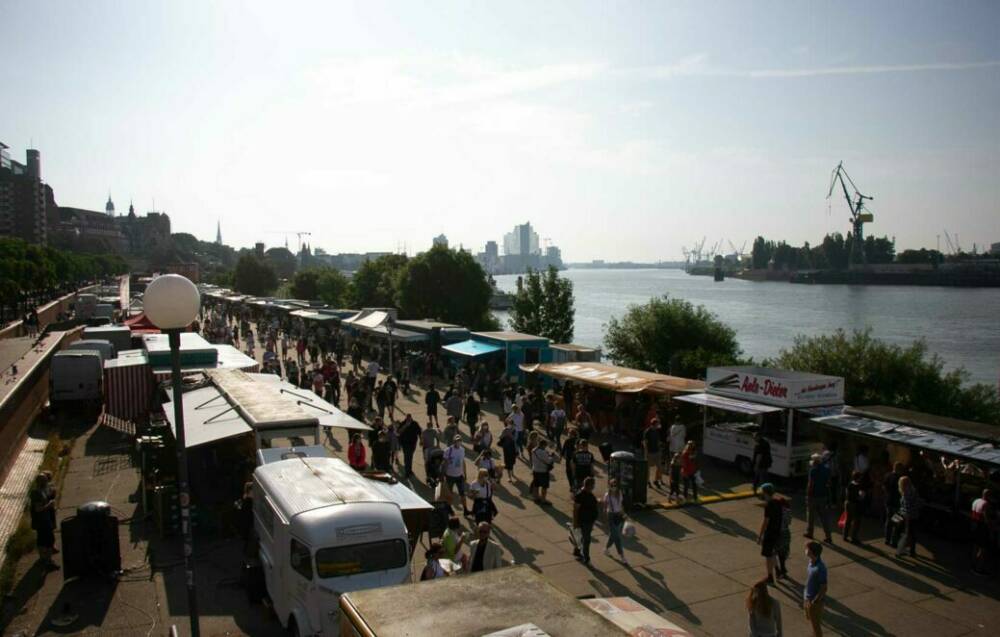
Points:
708	499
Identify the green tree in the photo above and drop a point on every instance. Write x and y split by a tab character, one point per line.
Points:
305	284
333	288
446	285
544	306
254	276
671	336
376	282
282	261
879	373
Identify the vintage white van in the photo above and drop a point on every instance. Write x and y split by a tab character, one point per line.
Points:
325	529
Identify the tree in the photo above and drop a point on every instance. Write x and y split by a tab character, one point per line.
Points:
305	284
447	285
879	373
282	261
376	282
254	276
880	250
671	336
333	288
761	253
543	306
921	256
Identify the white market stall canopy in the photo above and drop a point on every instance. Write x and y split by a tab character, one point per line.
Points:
398	335
368	319
956	446
779	387
311	315
618	379
252	403
727	404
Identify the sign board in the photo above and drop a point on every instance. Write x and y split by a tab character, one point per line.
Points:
775	386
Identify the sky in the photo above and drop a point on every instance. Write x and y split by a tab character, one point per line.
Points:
622	131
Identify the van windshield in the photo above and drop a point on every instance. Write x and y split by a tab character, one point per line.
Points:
338	561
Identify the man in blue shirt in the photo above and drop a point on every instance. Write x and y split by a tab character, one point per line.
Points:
817	498
814	594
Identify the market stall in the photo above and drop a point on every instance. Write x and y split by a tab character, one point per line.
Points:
741	401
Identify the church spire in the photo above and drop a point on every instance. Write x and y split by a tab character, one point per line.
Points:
109	207
218	232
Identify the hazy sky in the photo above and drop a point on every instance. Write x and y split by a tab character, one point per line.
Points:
621	131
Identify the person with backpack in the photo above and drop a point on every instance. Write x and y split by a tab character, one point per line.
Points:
557	424
761	460
585	513
583	462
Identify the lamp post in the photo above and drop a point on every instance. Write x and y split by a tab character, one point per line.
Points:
171	302
388	327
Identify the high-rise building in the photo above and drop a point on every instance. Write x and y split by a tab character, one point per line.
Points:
22	197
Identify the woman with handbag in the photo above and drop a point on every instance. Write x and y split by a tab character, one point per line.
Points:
615	511
483	507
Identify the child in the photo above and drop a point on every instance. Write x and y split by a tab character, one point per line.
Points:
485	461
675	478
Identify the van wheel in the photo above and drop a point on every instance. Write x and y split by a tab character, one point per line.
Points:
743	465
293	628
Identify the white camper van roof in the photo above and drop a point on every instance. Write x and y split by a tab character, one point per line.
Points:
301	483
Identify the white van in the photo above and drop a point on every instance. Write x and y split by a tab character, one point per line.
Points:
102	347
76	376
324	529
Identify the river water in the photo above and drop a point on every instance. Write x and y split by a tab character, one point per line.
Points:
961	325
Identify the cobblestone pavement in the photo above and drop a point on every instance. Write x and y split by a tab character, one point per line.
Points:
14	491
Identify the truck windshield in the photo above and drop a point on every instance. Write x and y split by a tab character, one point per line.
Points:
338	561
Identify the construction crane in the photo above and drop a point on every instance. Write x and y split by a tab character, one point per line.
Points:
859	214
953	246
296	233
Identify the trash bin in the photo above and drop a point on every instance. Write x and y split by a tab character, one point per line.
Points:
605	449
90	542
630	471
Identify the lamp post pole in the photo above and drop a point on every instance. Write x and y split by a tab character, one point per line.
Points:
388	326
183	489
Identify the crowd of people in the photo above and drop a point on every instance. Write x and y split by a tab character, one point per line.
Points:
540	429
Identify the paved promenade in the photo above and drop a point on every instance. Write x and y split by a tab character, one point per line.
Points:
693	565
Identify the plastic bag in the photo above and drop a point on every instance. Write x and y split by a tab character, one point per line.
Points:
698	479
628	530
842	522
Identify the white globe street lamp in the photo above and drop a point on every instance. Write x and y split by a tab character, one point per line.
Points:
171	302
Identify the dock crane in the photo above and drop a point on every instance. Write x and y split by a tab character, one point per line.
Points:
859	214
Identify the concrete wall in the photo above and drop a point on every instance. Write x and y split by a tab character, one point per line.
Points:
20	407
46	314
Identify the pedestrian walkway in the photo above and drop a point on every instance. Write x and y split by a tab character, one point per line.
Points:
14	492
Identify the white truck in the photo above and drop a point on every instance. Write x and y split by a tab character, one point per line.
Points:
324	529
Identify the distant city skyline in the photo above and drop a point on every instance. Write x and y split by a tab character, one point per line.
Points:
628	131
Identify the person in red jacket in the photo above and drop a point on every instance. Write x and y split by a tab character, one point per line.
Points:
689	468
356	453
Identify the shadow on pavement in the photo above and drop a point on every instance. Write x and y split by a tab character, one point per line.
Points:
88	598
718	523
29	584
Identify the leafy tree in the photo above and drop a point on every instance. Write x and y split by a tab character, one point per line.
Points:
376	282
447	285
921	256
671	336
879	373
333	288
254	276
326	284
305	284
543	306
879	250
761	253
282	261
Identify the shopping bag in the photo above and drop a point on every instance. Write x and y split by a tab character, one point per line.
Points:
842	522
628	530
698	479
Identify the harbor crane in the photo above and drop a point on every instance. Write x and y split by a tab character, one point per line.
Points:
859	214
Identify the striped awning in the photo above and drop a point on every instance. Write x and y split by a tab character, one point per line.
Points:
128	390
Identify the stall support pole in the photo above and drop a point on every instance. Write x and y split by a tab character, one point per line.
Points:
183	490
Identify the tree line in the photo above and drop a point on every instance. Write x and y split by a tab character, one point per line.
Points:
673	336
31	274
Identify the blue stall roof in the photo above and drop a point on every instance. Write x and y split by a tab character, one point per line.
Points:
472	348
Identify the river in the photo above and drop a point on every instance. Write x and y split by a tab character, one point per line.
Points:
961	325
